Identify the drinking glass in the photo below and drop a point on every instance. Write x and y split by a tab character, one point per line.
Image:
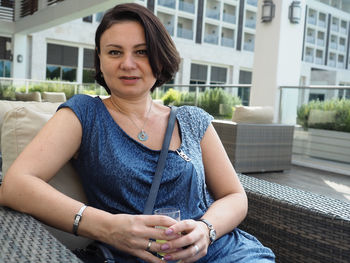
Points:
173	213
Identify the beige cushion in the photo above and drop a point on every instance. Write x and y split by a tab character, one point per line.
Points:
19	127
253	114
54	96
44	107
31	96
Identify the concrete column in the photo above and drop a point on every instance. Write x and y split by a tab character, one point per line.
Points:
80	65
20	56
186	71
277	61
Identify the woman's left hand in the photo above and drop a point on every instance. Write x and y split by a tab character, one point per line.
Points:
191	246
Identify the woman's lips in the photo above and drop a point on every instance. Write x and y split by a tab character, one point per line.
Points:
129	80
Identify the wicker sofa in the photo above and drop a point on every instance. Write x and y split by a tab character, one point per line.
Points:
256	147
297	225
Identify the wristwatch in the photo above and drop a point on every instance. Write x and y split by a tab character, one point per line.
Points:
212	232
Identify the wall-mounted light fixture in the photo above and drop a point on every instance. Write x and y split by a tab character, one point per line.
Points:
268	11
19	58
294	12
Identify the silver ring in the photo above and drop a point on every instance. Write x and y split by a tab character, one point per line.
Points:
197	248
149	245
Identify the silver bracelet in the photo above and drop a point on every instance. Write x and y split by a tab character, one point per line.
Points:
77	219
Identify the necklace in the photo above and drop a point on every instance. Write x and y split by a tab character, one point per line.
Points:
142	135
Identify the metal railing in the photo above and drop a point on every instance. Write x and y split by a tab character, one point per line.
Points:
9	87
321	115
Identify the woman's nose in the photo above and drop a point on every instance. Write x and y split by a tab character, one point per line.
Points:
128	62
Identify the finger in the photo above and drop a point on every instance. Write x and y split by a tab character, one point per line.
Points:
190	254
159	220
182	226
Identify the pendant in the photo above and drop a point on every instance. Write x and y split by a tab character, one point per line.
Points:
142	136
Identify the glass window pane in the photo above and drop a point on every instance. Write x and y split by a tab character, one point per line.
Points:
69	74
7	68
2	69
53	72
88	58
88	76
99	17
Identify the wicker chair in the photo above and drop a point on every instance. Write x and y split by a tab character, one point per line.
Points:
298	226
256	147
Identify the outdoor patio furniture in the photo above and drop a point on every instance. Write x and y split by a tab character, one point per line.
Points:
256	147
299	227
54	96
30	96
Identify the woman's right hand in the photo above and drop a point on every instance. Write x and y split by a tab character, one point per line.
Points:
132	234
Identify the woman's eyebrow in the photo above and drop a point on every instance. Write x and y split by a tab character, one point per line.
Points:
119	46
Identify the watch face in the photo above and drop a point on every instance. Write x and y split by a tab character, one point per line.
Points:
212	235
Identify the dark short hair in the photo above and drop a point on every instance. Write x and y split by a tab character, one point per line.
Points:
162	54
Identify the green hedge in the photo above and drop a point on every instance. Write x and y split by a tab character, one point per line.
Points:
335	114
215	101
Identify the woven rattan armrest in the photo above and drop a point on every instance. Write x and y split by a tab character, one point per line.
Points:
24	239
297	225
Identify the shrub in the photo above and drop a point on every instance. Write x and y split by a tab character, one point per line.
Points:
218	102
339	108
171	97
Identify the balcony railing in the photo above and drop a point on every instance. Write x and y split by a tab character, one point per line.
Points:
187	7
251	23
319	61
167	3
343	30
248	46
321	23
227	42
229	18
311	20
212	13
185	33
9	87
335	28
199	95
170	29
309	58
310	39
252	2
320	42
211	39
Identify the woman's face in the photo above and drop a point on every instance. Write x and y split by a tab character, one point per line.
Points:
124	60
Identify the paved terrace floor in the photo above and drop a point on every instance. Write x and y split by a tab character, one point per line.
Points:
335	185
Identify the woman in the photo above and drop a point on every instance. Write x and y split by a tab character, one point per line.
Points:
115	143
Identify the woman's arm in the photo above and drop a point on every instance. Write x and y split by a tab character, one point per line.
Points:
25	189
231	205
228	210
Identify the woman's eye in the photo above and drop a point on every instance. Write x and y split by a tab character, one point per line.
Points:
114	52
142	52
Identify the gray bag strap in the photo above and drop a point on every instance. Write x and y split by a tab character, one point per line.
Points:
161	164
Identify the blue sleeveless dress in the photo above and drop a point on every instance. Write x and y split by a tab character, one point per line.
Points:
117	172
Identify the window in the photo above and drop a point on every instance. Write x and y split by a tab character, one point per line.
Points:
62	62
218	75
88	66
245	77
5	55
5	68
198	74
99	16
